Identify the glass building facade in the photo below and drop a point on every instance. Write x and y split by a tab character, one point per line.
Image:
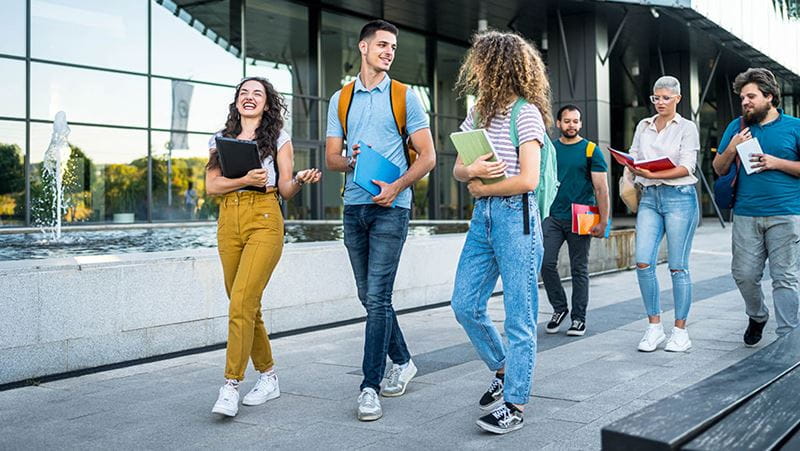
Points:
145	83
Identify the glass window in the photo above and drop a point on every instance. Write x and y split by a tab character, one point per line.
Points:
302	205
179	190
341	59
12	88
14	27
88	95
278	49
12	166
180	105
202	42
105	177
92	32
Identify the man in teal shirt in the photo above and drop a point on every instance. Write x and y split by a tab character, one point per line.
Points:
766	213
582	180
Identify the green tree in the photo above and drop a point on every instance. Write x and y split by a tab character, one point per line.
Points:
12	168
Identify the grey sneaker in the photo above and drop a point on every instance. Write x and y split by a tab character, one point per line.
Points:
369	406
398	379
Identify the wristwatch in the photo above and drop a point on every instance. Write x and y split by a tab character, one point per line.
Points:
351	162
298	181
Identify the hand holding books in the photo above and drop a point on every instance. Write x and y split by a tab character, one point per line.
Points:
642	168
483	168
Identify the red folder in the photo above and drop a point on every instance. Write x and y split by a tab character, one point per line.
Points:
652	165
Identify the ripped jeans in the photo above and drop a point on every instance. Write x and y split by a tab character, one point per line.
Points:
672	210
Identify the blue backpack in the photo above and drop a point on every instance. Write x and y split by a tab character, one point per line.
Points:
725	186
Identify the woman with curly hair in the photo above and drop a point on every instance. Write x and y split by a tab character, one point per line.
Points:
250	233
506	74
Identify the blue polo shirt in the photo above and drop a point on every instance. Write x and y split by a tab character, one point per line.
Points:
769	193
371	120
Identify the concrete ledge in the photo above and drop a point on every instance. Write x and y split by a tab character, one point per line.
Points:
68	314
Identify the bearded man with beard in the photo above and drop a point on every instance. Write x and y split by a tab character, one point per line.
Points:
766	213
582	179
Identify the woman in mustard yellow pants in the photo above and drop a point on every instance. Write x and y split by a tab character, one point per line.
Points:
250	233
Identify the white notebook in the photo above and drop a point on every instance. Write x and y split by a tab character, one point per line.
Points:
746	151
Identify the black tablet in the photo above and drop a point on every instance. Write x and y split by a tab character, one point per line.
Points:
237	157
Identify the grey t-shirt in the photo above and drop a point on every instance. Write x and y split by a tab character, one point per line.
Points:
283	138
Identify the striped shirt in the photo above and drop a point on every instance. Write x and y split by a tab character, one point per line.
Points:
530	127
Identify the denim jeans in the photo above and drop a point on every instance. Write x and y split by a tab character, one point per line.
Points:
374	238
557	231
756	239
496	246
672	210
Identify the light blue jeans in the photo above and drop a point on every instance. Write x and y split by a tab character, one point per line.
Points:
672	210
496	246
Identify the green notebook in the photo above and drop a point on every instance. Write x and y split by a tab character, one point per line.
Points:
472	144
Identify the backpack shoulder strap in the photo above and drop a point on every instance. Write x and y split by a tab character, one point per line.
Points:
590	146
512	130
590	149
345	100
398	101
514	136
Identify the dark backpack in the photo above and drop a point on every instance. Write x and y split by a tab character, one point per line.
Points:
725	186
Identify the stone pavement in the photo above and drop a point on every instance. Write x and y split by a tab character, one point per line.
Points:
580	384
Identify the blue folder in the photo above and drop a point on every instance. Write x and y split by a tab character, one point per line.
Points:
370	165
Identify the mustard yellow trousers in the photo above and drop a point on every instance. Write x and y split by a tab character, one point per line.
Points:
250	240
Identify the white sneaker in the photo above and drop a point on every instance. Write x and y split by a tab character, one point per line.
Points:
228	401
266	388
679	340
369	406
653	336
398	379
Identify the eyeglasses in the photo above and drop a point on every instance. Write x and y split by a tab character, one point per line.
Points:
664	99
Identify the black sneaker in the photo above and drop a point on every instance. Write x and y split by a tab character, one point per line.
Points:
555	322
753	333
493	396
577	329
504	419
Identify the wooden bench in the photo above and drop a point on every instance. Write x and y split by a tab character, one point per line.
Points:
752	404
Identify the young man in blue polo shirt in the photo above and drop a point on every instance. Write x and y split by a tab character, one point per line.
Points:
766	213
582	180
375	227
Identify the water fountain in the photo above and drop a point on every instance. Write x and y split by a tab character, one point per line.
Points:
53	167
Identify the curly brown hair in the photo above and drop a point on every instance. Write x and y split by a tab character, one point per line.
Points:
500	67
268	130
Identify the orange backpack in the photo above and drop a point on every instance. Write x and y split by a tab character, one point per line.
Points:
398	103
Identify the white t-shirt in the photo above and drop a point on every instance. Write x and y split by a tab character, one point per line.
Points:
283	138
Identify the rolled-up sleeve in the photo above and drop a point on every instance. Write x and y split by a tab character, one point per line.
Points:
689	146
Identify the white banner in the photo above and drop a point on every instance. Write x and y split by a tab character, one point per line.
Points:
181	101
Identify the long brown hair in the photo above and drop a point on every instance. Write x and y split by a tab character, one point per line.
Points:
267	131
500	67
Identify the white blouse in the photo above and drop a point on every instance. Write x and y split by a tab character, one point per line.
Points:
679	141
